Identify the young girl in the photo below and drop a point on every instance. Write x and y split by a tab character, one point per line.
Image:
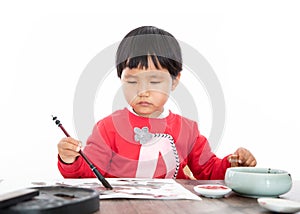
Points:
145	140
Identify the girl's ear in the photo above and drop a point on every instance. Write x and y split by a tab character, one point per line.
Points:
175	81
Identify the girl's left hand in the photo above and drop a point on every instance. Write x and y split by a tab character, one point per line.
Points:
244	158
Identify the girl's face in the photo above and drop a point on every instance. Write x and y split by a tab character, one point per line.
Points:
147	90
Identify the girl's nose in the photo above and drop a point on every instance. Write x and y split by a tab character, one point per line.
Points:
143	90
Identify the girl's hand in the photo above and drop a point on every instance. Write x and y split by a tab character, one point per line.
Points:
242	157
68	149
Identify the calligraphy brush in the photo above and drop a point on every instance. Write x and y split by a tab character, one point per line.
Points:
93	168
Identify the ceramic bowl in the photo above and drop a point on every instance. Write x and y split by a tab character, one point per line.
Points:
258	182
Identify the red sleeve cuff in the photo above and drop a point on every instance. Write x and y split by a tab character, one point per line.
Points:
69	170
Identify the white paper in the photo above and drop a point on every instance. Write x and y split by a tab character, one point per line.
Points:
134	188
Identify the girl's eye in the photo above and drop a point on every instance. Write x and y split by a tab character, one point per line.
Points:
131	82
155	82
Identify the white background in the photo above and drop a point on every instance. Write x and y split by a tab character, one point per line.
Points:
253	47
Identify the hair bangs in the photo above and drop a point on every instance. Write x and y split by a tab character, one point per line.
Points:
137	46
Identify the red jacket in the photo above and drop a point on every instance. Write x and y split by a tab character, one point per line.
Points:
121	146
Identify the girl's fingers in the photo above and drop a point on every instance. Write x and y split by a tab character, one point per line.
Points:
68	149
245	157
69	144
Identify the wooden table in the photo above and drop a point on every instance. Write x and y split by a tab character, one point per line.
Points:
232	204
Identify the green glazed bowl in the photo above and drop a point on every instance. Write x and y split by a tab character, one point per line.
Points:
258	182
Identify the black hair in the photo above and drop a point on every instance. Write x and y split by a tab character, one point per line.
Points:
148	41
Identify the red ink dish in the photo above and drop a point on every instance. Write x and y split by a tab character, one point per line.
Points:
213	187
212	190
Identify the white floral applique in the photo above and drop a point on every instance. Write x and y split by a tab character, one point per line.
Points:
142	135
152	146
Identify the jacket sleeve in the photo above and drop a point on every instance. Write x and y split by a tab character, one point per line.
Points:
204	164
78	169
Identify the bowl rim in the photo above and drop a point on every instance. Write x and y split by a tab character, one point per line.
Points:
263	171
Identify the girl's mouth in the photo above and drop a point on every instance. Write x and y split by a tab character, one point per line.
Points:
144	103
